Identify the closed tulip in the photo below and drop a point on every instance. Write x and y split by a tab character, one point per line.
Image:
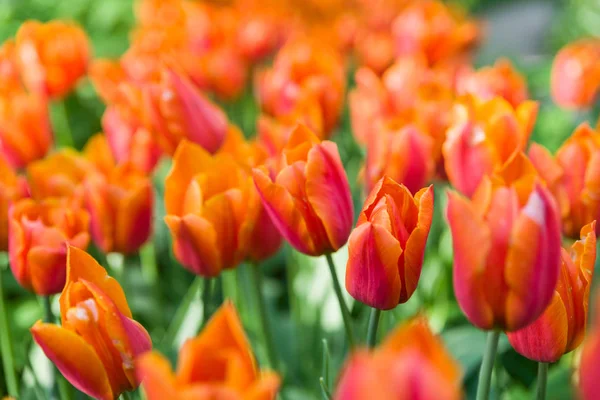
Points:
387	246
412	363
561	328
120	207
10	80
484	135
589	373
506	245
52	56
575	76
309	200
25	132
96	347
178	110
217	364
38	237
12	188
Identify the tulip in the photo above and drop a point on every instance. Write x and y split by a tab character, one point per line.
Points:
575	76
38	236
25	132
217	364
375	50
258	36
589	373
387	246
561	328
12	188
120	207
499	80
97	345
52	56
405	155
506	245
573	175
130	143
484	135
412	363
98	153
10	81
309	200
179	111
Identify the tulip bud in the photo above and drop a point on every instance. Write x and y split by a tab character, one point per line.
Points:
98	342
387	246
221	346
309	200
561	328
412	363
38	236
120	207
52	56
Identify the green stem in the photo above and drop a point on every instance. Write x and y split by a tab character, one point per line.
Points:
64	138
264	319
340	296
8	357
126	396
373	324
49	318
181	312
542	378
206	300
487	365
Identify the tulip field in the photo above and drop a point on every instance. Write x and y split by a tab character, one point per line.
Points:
299	199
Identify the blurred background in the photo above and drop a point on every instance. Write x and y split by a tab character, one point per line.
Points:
303	307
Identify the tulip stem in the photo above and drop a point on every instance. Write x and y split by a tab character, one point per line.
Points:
126	396
264	318
487	365
206	300
373	324
340	296
49	318
8	357
542	378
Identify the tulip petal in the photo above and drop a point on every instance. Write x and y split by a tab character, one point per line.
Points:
156	375
134	218
74	358
47	268
265	388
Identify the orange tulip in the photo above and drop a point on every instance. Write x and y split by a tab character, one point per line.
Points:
411	363
589	373
38	236
575	77
484	135
387	246
52	56
309	200
499	80
12	188
561	328
10	80
59	175
218	364
98	153
405	155
179	111
375	50
506	245
97	345
574	177
120	207
258	36
25	132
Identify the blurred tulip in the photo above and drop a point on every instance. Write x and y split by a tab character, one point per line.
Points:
52	56
375	50
573	176
506	245
387	246
368	103
98	342
12	188
25	132
38	236
120	207
60	175
412	363
129	143
483	136
258	36
217	364
309	200
575	77
98	153
499	80
405	155
10	80
179	111
589	373
225	72
561	328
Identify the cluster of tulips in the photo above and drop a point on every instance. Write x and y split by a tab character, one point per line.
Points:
419	109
